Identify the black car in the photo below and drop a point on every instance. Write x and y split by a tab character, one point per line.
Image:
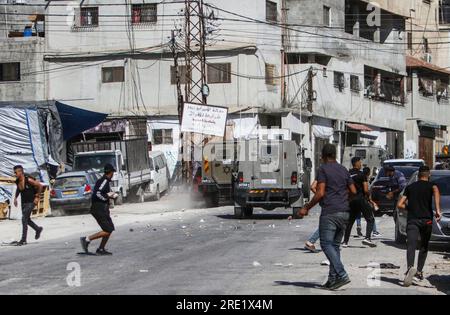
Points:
382	185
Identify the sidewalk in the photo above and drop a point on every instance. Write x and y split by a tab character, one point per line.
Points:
170	207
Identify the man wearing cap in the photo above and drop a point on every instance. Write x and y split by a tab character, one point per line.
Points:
100	211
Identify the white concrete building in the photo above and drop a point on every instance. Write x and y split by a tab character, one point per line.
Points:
22	45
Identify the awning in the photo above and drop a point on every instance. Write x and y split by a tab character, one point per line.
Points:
428	124
76	120
415	63
359	127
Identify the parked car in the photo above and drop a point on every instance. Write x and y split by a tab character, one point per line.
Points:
441	230
404	162
382	185
73	191
160	175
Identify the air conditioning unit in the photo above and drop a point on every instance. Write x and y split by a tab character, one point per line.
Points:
428	58
339	126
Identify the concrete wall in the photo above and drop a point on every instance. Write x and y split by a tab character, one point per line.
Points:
29	52
151	74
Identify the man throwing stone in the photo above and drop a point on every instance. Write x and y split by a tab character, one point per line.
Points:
100	211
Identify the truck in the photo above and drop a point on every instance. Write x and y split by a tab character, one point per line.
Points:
268	176
130	157
216	174
371	156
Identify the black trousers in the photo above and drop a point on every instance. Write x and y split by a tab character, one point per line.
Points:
27	210
416	228
360	206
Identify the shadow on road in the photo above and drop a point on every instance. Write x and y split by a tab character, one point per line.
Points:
442	283
394	244
306	251
395	281
306	285
259	217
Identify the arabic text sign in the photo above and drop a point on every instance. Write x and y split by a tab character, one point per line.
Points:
204	119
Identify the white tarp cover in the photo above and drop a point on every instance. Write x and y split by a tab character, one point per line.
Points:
22	142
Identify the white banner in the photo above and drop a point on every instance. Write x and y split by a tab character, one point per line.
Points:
204	119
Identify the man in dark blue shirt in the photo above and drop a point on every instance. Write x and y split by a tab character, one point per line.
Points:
100	211
334	185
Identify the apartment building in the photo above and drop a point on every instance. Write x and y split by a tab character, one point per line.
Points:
22	45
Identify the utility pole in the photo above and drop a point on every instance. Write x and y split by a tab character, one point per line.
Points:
196	88
283	52
195	37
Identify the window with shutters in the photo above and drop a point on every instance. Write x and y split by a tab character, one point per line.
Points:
10	71
219	73
113	74
146	13
86	17
271	74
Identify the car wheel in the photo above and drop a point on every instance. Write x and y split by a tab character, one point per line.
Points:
238	212
399	237
119	200
248	212
158	195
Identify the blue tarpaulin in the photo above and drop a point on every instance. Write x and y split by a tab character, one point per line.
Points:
76	120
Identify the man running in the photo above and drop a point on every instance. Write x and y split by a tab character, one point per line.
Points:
418	202
360	204
100	211
29	190
334	183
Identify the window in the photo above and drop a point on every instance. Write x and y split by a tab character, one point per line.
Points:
339	80
270	74
271	11
162	136
10	71
86	17
182	72
113	74
219	73
326	16
144	13
410	41
444	12
354	83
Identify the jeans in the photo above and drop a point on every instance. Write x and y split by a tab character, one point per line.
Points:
332	228
314	237
416	228
358	206
27	210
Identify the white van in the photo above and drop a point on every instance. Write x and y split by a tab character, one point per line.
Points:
160	176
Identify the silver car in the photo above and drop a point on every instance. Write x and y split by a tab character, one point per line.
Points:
441	230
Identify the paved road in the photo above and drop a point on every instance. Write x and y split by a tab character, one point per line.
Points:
206	251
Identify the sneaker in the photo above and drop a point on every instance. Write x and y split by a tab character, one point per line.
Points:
310	246
418	277
103	252
377	234
339	283
38	233
345	245
359	232
409	277
328	284
84	244
21	243
369	242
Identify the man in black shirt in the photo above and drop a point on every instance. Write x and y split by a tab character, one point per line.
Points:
100	211
29	191
360	204
418	201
